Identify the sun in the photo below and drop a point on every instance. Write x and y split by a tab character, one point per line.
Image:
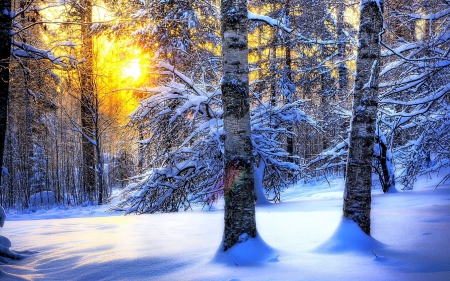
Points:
132	69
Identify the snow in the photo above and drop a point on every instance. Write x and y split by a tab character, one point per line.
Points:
303	238
44	198
268	20
253	252
349	237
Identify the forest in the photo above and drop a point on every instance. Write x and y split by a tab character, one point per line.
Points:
165	106
126	94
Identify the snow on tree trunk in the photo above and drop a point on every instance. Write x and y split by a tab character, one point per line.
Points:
358	180
5	50
239	192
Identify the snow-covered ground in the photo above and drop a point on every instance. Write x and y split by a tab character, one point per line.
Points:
302	238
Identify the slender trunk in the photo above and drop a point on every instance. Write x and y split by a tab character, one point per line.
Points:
342	68
358	181
273	72
87	102
291	98
239	191
141	148
385	163
343	73
99	170
5	51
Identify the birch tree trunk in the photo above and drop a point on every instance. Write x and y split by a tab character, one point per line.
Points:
358	180
5	51
239	189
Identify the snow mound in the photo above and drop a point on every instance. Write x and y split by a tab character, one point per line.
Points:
392	189
44	198
348	237
251	252
5	244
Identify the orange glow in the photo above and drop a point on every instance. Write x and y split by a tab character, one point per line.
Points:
132	69
117	64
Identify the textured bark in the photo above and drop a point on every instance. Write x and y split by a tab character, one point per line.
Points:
5	51
358	181
87	101
239	189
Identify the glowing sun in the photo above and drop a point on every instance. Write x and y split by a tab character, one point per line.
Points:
132	69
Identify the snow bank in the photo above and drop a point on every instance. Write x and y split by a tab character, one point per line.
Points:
252	252
5	252
44	198
411	228
349	237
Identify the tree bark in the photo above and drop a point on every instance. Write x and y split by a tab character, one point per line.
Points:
288	69
342	68
358	182
239	192
87	101
5	51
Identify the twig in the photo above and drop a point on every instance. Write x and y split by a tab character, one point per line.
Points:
374	254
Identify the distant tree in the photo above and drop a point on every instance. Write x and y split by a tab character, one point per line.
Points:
6	17
415	91
27	78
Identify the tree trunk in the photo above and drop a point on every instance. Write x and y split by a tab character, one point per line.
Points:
87	101
288	69
239	192
100	171
5	51
358	182
384	165
342	68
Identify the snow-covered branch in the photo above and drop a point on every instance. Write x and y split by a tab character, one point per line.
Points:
24	50
272	22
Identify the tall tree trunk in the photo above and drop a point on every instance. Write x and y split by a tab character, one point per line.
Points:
5	51
358	181
342	68
87	101
239	192
288	69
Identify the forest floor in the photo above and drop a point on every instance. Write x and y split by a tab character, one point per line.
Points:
303	238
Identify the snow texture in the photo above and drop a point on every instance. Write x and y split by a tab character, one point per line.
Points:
303	238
